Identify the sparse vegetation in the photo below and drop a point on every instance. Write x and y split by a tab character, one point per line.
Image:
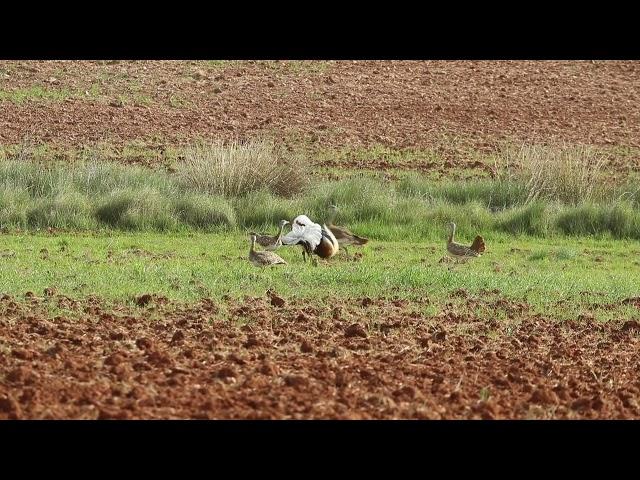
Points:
35	93
217	64
297	67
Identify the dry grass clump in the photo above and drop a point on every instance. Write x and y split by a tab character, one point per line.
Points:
569	174
236	168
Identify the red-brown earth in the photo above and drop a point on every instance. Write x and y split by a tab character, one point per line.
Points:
330	104
275	358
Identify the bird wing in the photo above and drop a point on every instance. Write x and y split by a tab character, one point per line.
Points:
345	236
310	232
264	240
263	258
461	250
272	258
340	233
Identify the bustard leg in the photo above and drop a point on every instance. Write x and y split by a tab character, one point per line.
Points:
307	252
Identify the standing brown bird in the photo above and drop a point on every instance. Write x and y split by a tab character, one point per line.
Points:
270	242
457	250
263	258
342	234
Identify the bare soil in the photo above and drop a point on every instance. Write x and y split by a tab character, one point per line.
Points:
275	358
399	104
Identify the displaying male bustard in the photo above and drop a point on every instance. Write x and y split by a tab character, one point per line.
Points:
462	251
313	238
343	234
270	242
263	258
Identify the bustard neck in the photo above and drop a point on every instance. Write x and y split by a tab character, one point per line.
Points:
453	232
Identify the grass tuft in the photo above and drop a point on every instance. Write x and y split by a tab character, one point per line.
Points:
238	168
569	174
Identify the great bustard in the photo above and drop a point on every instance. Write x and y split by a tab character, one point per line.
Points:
313	238
342	234
462	251
263	258
270	242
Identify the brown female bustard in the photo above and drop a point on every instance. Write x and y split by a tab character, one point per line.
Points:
459	251
270	242
263	258
342	234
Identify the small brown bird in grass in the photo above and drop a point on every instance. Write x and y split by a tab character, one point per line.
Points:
459	251
342	234
270	242
263	258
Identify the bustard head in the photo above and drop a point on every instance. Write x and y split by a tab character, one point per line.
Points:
283	223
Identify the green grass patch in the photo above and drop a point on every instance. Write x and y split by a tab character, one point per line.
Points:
35	93
563	282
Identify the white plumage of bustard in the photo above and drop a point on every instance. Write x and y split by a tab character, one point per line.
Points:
313	237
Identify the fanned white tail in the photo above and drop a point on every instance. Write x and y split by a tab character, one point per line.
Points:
303	230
